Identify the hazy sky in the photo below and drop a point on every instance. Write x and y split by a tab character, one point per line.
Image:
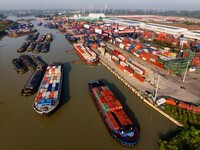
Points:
134	4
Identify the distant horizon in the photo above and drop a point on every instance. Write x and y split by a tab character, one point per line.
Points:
159	9
192	5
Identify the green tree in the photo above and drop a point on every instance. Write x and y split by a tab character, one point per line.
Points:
185	139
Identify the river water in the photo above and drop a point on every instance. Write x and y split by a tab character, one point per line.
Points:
77	123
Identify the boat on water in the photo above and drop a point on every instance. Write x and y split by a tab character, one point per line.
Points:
28	62
49	37
31	46
45	47
49	93
38	48
19	66
117	121
21	32
29	37
40	23
39	62
35	37
86	54
23	47
42	38
33	83
70	37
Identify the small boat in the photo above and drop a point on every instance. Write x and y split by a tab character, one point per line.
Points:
49	93
70	37
23	47
33	83
42	38
35	37
28	62
45	47
38	48
86	54
29	37
31	47
49	37
19	66
117	121
40	23
40	63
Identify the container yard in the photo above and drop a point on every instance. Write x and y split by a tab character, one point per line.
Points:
143	52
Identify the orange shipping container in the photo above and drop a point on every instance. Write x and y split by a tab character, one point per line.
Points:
112	121
171	102
139	77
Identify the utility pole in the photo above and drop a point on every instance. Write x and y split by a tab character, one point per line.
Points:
156	91
186	71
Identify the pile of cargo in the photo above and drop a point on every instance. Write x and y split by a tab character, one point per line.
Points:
26	62
88	55
111	106
183	105
162	58
117	121
123	63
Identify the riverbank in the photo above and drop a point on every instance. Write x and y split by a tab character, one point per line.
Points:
110	66
4	25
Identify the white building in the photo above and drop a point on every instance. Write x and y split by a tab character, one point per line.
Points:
163	28
96	16
123	22
192	34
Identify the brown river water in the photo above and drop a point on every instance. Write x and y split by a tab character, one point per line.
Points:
76	125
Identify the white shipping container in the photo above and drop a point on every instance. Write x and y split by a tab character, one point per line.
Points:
146	50
138	70
86	26
152	59
108	56
167	48
121	28
137	55
114	57
118	40
123	63
143	58
121	57
46	86
116	30
121	46
98	31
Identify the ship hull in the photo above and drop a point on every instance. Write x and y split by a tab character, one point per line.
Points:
110	129
86	62
45	112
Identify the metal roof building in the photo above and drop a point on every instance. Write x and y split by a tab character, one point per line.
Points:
166	29
123	22
192	34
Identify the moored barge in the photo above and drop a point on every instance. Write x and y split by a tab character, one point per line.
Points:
86	54
117	121
49	93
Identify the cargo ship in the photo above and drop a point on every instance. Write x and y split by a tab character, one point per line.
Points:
23	47
49	93
49	37
19	65
86	54
33	83
20	32
117	121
